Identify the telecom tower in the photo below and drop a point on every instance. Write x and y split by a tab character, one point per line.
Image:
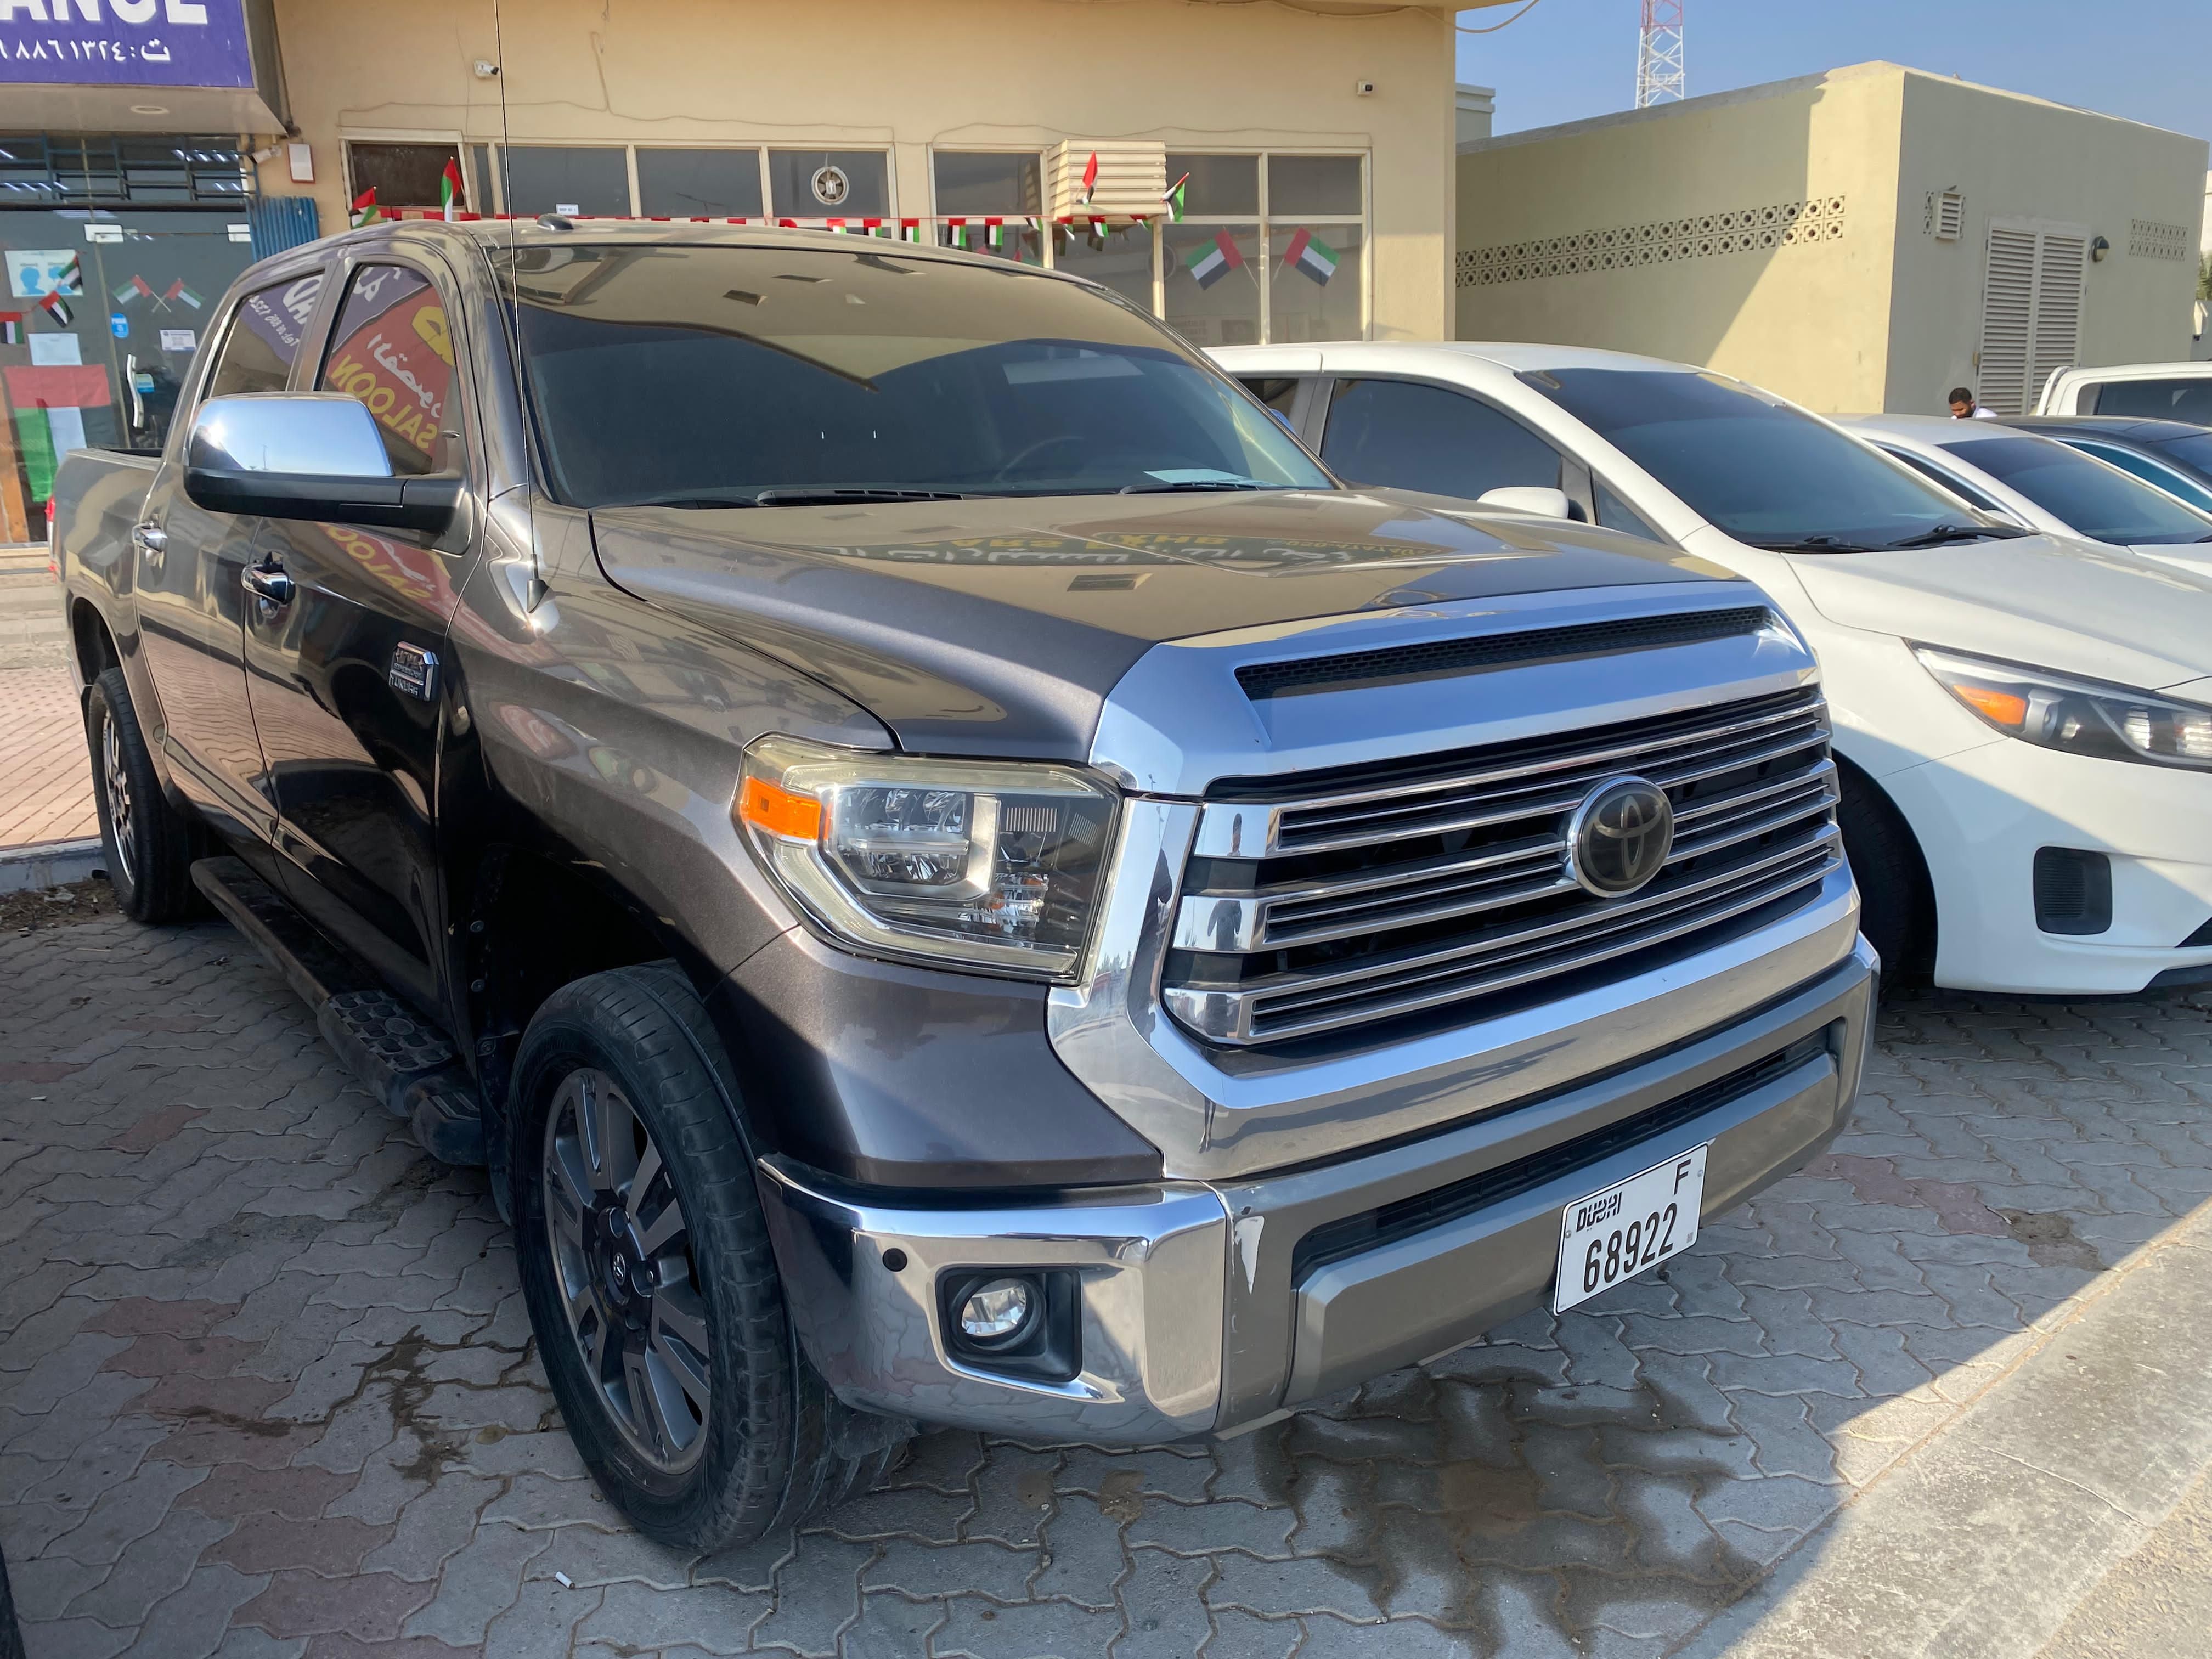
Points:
1659	75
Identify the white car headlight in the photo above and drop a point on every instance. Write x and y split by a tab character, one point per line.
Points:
984	864
2082	717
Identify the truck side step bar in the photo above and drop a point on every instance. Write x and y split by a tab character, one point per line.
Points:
400	1058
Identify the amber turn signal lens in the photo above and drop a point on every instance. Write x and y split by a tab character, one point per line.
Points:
778	812
2001	707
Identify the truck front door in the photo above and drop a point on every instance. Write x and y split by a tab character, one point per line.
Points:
347	674
187	563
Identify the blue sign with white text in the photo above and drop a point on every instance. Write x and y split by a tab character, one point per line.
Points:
125	43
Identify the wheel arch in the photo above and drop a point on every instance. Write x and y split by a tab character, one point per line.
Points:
1918	961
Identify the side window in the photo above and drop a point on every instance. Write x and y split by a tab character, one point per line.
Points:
265	339
1278	391
1937	476
1615	514
2178	399
2149	471
391	350
1405	436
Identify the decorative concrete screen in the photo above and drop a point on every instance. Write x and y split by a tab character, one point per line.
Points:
1705	236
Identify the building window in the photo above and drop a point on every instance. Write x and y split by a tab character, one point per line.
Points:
1270	247
695	184
590	181
402	175
830	183
991	183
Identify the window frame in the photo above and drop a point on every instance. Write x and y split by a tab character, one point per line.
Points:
495	159
2196	493
1935	472
461	143
338	284
1262	225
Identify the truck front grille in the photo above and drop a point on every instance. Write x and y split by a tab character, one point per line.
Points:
1443	884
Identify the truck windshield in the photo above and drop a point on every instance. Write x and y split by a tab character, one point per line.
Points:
1765	473
2099	502
773	376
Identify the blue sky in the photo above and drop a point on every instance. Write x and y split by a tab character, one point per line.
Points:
2149	60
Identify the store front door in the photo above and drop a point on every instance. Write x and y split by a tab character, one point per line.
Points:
102	313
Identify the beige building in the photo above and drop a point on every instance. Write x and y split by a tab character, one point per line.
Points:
1862	239
1327	126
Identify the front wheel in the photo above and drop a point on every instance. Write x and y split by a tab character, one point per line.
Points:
650	1279
148	843
1897	901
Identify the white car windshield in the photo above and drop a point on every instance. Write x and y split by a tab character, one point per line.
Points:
776	377
2090	497
1765	473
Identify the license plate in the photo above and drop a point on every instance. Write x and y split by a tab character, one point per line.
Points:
1618	1233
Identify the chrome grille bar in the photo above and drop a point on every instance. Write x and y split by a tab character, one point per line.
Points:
1755	796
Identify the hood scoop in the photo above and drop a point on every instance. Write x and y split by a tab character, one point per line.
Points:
1436	660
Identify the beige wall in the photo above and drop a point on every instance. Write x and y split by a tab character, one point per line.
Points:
2020	158
1880	316
962	73
1806	319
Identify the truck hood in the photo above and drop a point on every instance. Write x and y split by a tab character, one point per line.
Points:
2049	602
998	626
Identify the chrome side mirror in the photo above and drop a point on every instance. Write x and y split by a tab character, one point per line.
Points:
307	455
326	434
1544	504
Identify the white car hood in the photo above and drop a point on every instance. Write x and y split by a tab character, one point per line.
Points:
2065	604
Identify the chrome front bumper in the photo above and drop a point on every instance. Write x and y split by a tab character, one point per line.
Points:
1200	1312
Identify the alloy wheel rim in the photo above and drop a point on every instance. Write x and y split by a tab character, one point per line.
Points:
117	783
626	1272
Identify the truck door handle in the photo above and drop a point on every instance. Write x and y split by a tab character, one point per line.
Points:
151	540
269	583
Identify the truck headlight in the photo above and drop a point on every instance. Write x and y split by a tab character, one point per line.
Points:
2082	717
987	864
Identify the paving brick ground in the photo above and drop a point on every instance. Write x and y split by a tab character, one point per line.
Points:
266	1387
45	780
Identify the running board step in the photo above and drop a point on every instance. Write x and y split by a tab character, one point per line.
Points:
405	1062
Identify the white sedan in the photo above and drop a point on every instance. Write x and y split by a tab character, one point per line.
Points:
2044	484
2023	721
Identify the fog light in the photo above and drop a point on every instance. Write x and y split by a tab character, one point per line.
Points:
998	1311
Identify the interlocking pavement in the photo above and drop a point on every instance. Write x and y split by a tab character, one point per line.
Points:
267	1388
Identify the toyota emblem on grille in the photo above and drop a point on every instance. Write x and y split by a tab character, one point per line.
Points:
1619	838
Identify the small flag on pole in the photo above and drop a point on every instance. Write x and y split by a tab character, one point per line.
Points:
449	190
1174	197
365	210
1311	256
177	290
1210	262
11	328
59	308
1091	178
125	293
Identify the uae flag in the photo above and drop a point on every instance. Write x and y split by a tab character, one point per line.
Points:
127	292
177	290
1309	254
59	308
1210	262
1174	198
365	209
11	328
449	190
1091	178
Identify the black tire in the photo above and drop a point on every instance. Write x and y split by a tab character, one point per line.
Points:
148	843
11	1636
1896	900
770	1436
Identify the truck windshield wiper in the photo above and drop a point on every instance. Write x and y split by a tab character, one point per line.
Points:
855	493
1181	484
1816	545
1957	532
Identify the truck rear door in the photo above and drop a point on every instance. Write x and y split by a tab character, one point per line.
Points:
188	562
347	676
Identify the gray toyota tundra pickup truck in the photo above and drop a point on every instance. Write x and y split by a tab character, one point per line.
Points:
953	874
